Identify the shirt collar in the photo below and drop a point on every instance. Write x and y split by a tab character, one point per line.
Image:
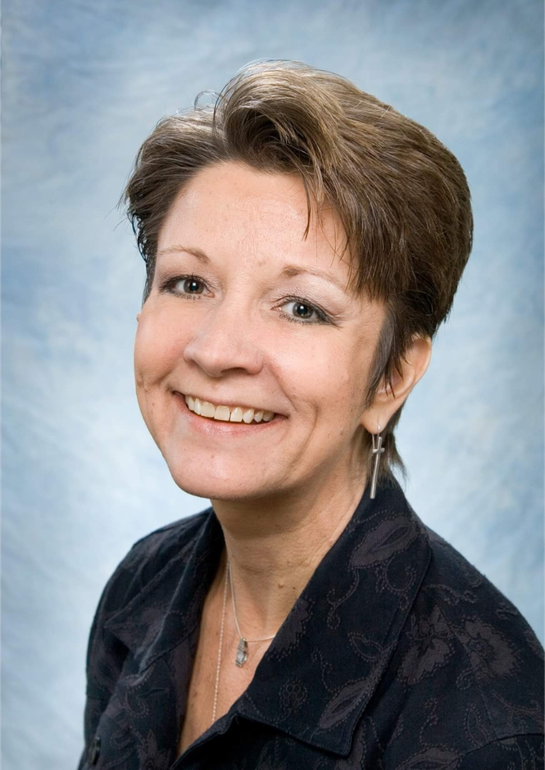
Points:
320	671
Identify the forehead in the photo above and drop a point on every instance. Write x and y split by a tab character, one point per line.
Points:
230	206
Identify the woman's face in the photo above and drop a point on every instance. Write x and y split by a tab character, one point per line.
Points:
229	322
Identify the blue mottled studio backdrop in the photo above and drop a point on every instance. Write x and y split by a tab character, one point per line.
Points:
83	84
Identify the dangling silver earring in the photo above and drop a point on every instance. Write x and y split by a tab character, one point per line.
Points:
378	449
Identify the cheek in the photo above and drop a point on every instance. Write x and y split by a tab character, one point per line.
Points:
341	380
322	381
155	352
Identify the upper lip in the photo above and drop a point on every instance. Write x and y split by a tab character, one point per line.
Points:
228	402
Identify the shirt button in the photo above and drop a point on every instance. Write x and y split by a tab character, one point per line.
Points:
95	751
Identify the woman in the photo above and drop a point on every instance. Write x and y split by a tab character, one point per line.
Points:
303	242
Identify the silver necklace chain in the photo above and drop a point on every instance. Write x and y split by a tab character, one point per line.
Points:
241	651
241	635
216	690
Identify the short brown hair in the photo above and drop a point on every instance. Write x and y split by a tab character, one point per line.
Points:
401	195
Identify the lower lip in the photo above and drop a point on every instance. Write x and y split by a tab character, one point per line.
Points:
211	427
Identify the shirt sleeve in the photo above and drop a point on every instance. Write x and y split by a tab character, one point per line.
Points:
520	752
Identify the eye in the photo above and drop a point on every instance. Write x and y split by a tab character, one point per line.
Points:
304	311
189	284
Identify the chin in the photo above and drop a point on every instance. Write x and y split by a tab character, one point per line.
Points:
227	486
225	492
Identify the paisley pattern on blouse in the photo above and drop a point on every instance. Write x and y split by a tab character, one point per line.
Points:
398	655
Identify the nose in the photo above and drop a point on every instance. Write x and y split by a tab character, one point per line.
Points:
225	340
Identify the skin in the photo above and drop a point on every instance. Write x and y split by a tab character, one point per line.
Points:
283	495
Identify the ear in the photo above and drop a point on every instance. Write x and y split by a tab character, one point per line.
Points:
387	401
138	317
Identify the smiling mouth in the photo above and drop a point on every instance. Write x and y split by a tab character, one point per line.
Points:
216	422
222	413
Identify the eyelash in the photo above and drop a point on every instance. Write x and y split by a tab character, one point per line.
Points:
169	283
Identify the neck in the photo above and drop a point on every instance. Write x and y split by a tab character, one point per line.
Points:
274	547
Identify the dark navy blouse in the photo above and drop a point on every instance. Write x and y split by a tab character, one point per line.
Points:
397	655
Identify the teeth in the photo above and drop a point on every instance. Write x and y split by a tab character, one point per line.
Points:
248	415
236	414
225	414
207	409
221	413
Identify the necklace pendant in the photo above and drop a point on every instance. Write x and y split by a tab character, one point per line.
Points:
242	652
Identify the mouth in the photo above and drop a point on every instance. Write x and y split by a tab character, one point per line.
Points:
214	427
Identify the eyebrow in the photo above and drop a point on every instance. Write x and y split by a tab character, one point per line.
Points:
290	271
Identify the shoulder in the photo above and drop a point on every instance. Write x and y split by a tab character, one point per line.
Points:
148	557
466	678
475	608
485	654
142	566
